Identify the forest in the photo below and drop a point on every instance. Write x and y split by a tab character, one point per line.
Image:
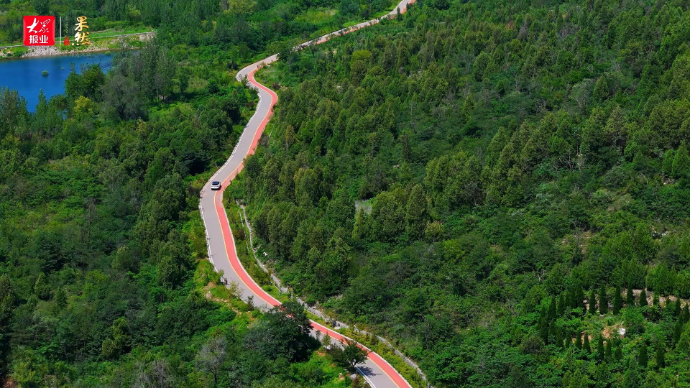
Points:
500	187
104	280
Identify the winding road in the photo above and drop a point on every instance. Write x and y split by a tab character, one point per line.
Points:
221	244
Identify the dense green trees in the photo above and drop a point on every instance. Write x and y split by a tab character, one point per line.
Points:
350	355
463	179
284	333
99	227
137	79
502	165
617	301
603	301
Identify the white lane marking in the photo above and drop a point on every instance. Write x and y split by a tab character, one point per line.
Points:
361	372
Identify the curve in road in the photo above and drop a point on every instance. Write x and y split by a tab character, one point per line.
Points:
221	243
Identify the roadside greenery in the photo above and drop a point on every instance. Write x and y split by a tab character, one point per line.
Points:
104	280
501	187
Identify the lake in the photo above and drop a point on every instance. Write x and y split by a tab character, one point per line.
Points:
25	75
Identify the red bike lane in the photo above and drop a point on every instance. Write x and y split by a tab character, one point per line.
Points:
229	241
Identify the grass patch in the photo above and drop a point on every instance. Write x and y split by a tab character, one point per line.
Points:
242	244
15	52
115	32
275	292
221	292
330	377
108	33
317	16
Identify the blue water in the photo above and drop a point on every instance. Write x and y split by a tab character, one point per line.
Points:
25	75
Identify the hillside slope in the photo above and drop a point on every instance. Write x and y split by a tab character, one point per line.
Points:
484	182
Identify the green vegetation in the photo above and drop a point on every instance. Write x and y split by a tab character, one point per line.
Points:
103	273
244	28
500	187
528	177
244	253
350	355
387	353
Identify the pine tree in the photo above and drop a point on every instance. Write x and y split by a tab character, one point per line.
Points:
601	89
609	350
677	331
642	357
5	286
602	374
558	337
568	298
667	164
684	250
617	301
585	344
629	297
601	355
686	314
578	341
467	108
660	355
551	316
592	303
577	380
41	288
580	298
7	299
618	354
60	299
544	329
655	299
643	298
561	305
644	246
566	379
289	136
603	301
681	162
676	308
416	216
577	298
631	379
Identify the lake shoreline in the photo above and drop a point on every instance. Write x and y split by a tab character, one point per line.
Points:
53	51
31	75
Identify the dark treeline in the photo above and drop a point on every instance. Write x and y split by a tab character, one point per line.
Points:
500	186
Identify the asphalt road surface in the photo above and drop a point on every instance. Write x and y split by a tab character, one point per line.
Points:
221	244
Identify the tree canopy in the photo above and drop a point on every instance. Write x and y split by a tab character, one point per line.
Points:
496	185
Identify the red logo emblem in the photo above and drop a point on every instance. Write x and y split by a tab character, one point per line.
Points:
39	30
